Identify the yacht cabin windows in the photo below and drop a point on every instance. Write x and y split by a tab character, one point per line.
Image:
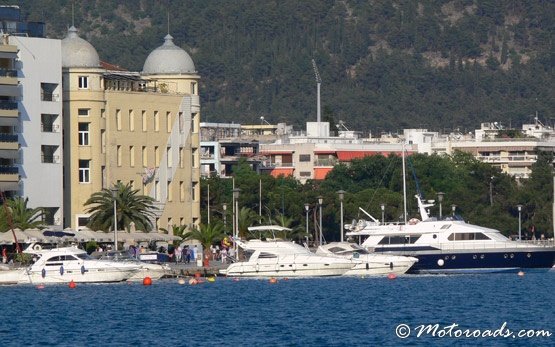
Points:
468	237
399	239
266	255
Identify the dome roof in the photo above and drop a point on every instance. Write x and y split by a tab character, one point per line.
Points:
77	52
168	59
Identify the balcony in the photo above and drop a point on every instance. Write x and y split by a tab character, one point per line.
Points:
9	142
44	96
50	159
8	76
326	162
9	178
50	128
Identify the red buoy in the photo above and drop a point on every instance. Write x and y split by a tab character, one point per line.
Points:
40	286
391	276
147	281
273	280
72	284
197	274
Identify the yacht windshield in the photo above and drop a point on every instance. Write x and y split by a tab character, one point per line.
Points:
83	256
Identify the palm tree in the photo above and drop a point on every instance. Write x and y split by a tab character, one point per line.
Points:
22	217
177	230
130	207
207	234
296	233
247	218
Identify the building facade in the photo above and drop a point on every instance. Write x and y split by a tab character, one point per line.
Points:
136	128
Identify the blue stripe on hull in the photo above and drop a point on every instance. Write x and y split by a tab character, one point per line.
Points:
482	262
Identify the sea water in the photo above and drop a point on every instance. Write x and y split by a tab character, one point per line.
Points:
296	312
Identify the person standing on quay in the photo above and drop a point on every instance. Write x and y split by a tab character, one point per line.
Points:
4	255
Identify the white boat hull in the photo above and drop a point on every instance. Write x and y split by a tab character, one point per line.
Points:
247	269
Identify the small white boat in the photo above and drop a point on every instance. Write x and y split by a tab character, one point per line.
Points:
372	264
153	270
63	265
278	258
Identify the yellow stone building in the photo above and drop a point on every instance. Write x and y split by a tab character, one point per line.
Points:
130	127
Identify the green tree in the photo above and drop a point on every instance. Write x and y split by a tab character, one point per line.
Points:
207	234
130	207
22	217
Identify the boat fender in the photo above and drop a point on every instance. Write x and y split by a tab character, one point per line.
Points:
83	269
62	270
256	267
43	273
391	266
37	247
367	266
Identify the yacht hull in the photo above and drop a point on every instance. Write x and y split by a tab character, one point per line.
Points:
23	276
481	261
286	270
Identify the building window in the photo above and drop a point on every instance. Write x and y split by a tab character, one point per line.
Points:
103	141
305	173
181	191
102	113
83	112
304	157
84	171
156	156
156	121
118	154
181	122
170	193
83	82
132	184
131	120
132	156
47	92
157	190
83	134
118	120
144	154
193	191
181	156
168	122
144	120
193	120
169	156
193	88
194	157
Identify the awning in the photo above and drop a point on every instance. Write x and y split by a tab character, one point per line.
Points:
350	155
282	172
320	173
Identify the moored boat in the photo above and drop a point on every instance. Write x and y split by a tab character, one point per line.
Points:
372	263
64	265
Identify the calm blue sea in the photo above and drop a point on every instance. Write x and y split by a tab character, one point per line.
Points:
300	312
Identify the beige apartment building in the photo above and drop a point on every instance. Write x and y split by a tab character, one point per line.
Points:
130	127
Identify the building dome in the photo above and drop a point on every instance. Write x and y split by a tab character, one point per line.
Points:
168	59
77	52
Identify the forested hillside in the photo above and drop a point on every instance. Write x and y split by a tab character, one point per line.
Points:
385	65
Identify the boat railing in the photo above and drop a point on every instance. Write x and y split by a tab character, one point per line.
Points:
470	245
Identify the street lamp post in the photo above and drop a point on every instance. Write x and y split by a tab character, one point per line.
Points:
341	196
440	199
224	208
114	195
519	207
382	206
321	238
236	192
306	209
453	208
491	190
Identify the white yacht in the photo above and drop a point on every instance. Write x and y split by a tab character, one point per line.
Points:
153	270
451	245
372	263
278	258
63	265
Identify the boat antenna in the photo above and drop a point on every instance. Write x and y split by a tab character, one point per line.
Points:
411	167
404	186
